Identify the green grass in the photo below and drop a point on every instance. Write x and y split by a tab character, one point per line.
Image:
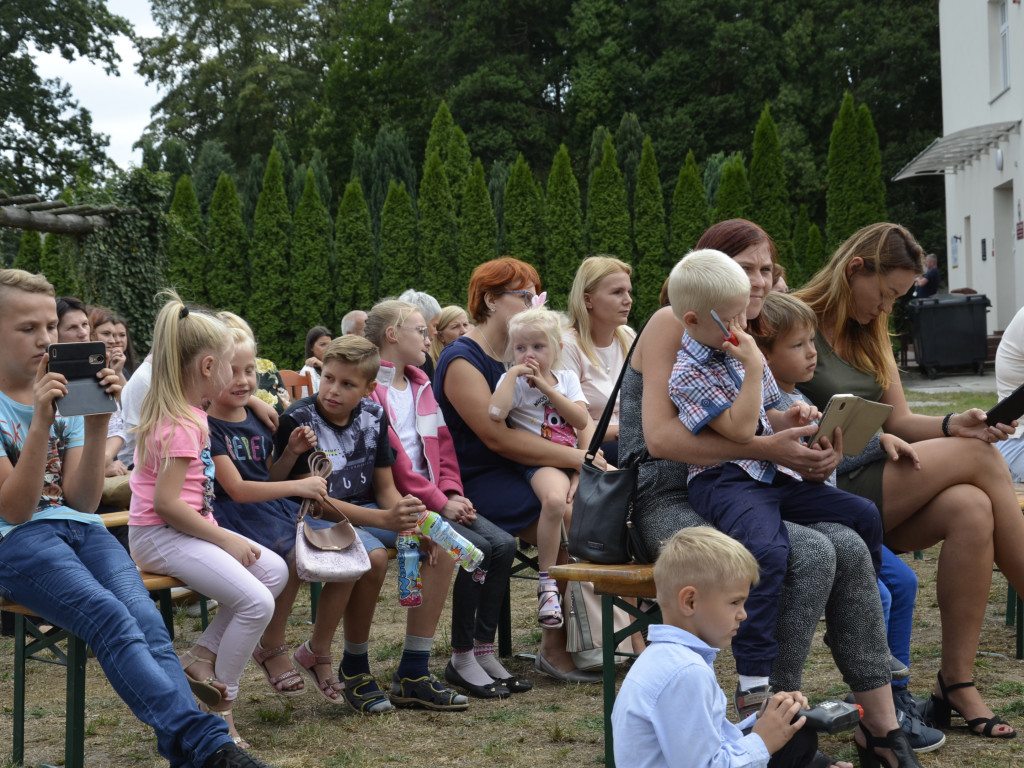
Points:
949	401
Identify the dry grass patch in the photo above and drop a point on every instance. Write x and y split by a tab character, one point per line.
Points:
552	725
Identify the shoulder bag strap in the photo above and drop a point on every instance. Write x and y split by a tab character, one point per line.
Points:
602	425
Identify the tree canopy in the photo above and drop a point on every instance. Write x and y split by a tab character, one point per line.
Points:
44	134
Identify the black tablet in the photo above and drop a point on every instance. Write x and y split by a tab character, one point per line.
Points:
1006	410
79	362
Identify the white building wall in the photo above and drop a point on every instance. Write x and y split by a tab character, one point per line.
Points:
982	201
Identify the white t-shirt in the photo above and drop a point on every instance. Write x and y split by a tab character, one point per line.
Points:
401	405
1010	361
597	380
531	410
132	395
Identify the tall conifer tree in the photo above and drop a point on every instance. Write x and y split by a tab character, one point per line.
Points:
873	208
356	275
606	226
523	216
251	189
844	175
397	254
458	165
440	133
733	199
187	258
478	229
815	252
310	269
438	265
564	229
228	281
212	160
689	216
30	251
649	235
268	304
629	144
768	190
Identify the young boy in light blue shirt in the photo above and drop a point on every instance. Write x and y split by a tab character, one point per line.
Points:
670	711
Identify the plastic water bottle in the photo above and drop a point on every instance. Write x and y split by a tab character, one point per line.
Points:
454	543
410	585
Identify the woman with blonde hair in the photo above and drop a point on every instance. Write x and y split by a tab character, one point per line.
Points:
961	495
598	338
452	322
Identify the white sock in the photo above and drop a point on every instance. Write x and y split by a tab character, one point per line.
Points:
465	664
748	682
485	658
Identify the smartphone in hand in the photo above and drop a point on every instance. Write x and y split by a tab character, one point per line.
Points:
1006	410
79	362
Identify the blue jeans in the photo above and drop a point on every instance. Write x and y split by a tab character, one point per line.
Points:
79	577
901	581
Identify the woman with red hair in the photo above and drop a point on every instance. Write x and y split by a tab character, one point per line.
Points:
492	457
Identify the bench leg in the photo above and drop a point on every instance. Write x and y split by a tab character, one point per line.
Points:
1020	628
167	610
315	588
505	624
608	645
18	740
74	717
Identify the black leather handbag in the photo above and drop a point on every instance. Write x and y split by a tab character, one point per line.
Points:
603	505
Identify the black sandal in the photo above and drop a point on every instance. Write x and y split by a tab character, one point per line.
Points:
895	741
938	712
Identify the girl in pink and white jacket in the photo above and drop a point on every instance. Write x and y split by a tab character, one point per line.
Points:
426	468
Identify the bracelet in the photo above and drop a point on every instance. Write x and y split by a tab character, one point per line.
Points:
945	424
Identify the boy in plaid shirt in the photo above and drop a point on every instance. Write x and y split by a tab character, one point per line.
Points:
726	386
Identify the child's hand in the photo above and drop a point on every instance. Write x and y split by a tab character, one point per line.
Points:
458	508
747	351
243	550
313	487
110	380
536	379
404	515
894	448
47	389
523	369
800	415
301	439
428	550
775	724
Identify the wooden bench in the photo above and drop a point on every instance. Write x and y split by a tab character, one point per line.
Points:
30	641
614	582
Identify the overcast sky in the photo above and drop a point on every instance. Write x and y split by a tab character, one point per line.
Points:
119	105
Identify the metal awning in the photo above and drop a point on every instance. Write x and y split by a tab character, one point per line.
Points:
950	153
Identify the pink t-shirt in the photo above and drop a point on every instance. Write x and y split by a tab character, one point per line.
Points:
172	440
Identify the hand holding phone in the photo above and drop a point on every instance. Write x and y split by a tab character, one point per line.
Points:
78	363
727	335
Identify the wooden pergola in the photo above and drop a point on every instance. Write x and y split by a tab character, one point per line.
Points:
55	216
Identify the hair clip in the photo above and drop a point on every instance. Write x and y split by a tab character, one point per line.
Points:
539	299
183	314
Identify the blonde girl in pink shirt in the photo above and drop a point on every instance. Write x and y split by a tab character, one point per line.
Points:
172	528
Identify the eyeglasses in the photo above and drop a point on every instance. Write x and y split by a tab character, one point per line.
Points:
423	330
527	296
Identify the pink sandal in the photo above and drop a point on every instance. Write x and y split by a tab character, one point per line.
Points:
306	660
549	606
288	683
